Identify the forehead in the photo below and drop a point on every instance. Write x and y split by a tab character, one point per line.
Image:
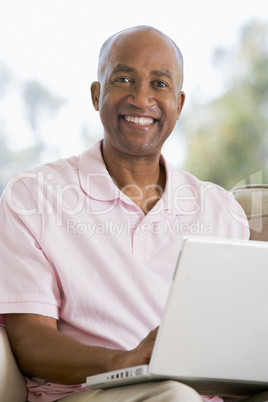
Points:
145	49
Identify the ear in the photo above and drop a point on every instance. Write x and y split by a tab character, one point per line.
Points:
95	94
181	99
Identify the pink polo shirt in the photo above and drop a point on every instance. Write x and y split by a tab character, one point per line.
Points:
75	248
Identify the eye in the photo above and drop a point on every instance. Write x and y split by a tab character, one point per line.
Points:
123	80
160	84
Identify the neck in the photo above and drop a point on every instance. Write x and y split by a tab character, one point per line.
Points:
142	179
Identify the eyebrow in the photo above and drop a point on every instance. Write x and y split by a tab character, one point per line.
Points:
162	73
124	68
127	69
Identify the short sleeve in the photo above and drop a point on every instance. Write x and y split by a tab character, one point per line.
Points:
28	281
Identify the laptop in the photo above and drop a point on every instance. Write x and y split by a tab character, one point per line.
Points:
214	331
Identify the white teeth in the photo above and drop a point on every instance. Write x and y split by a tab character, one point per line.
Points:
144	121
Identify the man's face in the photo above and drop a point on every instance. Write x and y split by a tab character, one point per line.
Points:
139	97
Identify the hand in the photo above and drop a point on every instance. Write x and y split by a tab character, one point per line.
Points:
139	355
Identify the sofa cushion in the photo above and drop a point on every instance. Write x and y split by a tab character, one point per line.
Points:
12	382
254	200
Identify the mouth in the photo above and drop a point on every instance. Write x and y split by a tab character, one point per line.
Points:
141	121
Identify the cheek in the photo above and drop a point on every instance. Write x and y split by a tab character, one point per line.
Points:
171	110
106	110
170	116
107	101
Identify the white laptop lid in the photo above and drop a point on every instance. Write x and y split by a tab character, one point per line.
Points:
215	325
214	331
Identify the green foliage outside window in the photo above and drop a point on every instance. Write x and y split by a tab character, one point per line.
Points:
227	138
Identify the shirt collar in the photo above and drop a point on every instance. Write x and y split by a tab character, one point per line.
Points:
94	177
97	183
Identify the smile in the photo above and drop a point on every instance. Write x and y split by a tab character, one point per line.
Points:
143	121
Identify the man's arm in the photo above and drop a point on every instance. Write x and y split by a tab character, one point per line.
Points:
42	351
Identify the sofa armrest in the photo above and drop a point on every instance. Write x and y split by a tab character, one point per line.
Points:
12	382
254	200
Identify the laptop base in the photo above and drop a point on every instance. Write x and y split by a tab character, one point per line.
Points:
140	374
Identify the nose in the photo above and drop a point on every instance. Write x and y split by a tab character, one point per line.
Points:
141	95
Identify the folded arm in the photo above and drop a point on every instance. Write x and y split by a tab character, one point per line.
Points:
42	351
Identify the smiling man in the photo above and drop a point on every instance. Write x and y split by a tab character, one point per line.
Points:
89	244
140	98
139	93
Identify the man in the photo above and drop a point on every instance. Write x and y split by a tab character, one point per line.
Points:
89	244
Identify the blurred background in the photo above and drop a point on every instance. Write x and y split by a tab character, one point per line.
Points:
48	59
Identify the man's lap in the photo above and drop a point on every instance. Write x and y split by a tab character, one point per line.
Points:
164	391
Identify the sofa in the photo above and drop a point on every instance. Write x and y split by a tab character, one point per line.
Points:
12	382
253	199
